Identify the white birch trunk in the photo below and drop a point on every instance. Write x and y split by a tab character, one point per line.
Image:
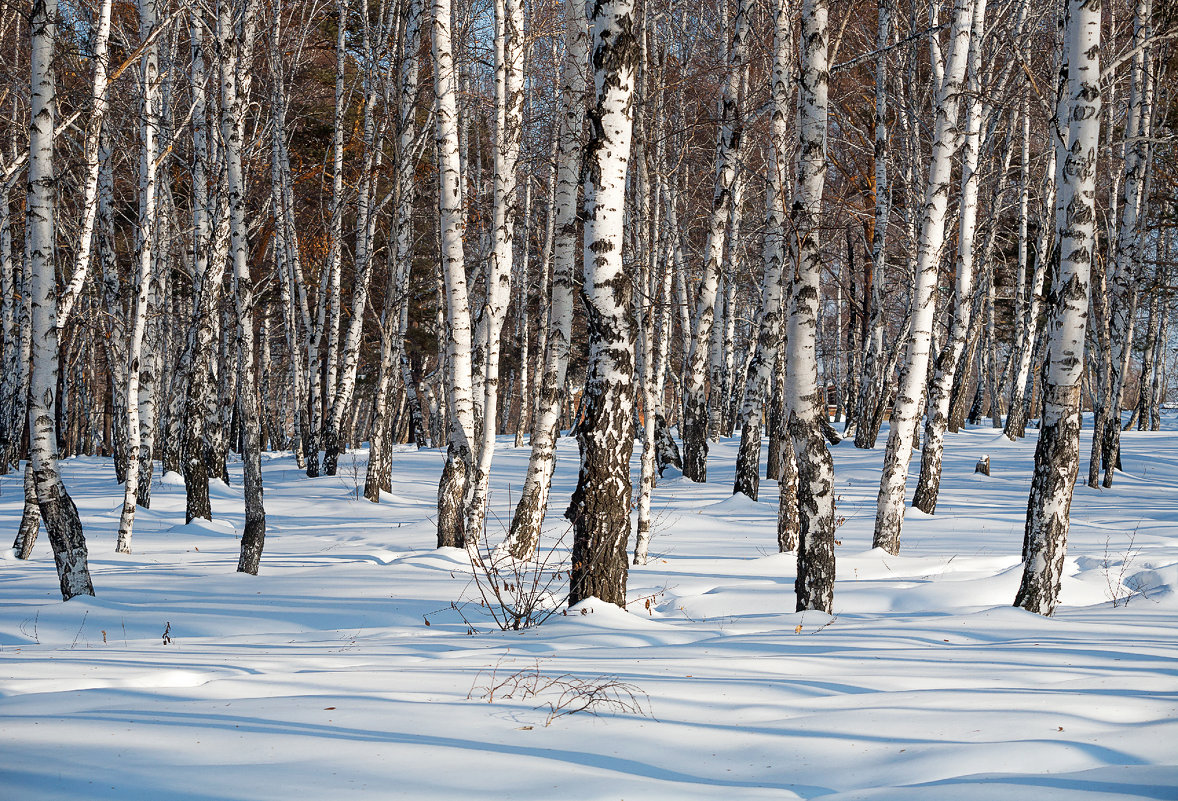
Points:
509	103
769	328
929	483
236	30
907	408
870	401
804	395
1057	456
1123	294
58	511
529	514
452	488
695	400
600	509
149	149
100	39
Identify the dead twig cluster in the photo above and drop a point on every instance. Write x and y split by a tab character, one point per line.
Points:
562	694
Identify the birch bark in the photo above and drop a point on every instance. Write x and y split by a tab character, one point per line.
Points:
509	73
695	401
529	512
805	396
870	402
149	148
906	410
236	30
58	511
600	509
769	331
1123	294
1057	455
452	488
929	483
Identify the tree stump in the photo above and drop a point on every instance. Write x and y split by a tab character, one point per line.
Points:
983	466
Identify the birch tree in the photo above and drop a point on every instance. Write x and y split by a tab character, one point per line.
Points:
1124	282
236	28
456	473
695	401
769	328
58	512
529	512
600	509
149	151
906	412
509	110
1057	454
929	482
805	396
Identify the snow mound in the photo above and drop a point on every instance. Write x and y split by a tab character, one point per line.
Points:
202	527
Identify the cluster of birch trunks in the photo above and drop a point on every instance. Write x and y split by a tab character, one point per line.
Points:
229	226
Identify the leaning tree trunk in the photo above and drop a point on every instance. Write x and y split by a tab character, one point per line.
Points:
928	485
452	488
695	401
30	519
1057	456
600	509
98	104
509	107
529	512
906	411
58	511
1123	292
149	127
760	371
805	395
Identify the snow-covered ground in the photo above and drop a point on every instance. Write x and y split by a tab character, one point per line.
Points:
319	678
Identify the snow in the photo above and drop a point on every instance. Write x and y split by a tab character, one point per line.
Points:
320	676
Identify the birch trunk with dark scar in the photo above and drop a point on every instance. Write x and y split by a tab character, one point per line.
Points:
149	148
60	515
1057	455
11	422
509	72
871	382
695	401
30	519
452	488
761	368
929	483
804	394
906	411
236	30
524	533
600	509
1124	290
788	524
